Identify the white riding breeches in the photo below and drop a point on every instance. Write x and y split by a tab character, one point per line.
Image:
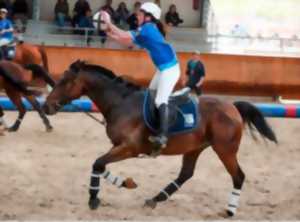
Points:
164	82
4	42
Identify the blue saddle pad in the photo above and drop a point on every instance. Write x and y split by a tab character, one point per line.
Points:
184	115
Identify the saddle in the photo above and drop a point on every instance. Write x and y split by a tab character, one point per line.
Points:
8	51
184	115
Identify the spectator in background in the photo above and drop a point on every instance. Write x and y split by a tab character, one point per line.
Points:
132	19
20	13
7	5
122	14
61	12
80	9
6	35
86	22
196	73
172	17
109	9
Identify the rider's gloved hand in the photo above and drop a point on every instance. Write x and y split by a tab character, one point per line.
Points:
105	20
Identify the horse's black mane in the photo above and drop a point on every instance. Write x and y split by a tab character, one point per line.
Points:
97	70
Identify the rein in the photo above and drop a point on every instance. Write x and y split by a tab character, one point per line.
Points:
102	122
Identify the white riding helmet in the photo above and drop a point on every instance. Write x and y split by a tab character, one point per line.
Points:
4	10
152	9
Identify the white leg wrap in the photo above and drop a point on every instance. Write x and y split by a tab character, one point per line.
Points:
118	181
165	193
234	200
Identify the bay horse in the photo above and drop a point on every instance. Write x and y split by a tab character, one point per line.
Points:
121	103
27	53
24	75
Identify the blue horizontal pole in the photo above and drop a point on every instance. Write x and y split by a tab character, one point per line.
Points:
78	105
86	105
279	110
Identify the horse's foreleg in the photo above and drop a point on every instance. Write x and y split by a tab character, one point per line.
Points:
35	104
17	100
118	153
187	171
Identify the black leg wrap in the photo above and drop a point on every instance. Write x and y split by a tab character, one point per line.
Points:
167	192
94	184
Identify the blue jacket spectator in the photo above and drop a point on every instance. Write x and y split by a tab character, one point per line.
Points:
86	21
6	33
132	19
122	14
80	9
61	11
6	28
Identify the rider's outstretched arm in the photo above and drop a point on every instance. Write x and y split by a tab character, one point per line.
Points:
119	35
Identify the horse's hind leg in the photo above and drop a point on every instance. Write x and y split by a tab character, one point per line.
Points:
187	171
3	125
118	153
17	100
2	122
35	104
228	155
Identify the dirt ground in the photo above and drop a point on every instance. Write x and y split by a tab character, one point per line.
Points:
45	176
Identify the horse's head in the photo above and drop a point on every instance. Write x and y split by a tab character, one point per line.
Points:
70	87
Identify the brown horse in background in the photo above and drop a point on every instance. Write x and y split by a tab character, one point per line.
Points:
27	53
121	103
25	76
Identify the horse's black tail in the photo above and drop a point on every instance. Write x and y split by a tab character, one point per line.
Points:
252	116
19	85
39	72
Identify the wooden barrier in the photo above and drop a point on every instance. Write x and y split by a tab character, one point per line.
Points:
226	74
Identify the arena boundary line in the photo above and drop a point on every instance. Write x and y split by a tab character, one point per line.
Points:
85	105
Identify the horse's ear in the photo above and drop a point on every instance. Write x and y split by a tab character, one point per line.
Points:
83	62
76	66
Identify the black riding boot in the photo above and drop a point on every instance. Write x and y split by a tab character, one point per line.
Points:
1	54
160	141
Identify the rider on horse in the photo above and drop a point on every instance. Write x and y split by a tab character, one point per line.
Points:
151	36
6	35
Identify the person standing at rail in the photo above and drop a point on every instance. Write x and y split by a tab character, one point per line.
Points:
196	73
151	36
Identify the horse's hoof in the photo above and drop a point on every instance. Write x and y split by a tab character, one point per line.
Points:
49	129
130	184
94	203
150	203
12	129
229	213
